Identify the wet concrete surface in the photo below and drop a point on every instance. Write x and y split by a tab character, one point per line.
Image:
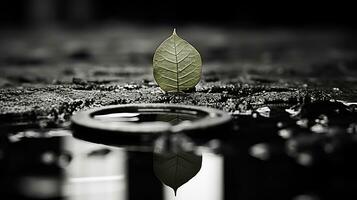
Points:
292	95
49	74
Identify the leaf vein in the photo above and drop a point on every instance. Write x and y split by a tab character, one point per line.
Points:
170	70
182	59
185	67
166	77
167	59
182	49
177	45
172	53
169	85
190	72
188	80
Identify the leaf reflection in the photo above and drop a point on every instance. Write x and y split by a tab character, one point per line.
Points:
175	163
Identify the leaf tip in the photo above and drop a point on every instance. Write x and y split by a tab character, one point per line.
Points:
174	32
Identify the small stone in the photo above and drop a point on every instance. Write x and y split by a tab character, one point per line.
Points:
264	111
131	86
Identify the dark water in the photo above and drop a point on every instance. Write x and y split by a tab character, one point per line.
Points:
136	117
305	152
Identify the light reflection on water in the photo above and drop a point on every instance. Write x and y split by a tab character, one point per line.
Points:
94	176
93	171
172	118
85	170
276	157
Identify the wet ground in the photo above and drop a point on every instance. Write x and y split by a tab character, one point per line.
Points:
291	94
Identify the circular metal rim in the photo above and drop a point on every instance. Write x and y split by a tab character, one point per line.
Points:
214	118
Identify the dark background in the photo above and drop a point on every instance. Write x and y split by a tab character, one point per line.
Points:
231	13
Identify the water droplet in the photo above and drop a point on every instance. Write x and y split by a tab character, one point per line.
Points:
214	144
64	159
322	119
279	124
16	138
260	151
329	148
318	128
285	133
48	157
336	89
302	123
352	128
291	147
305	159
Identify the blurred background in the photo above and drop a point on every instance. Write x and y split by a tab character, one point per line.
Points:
230	13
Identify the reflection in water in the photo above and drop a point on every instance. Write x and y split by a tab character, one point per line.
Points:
268	158
173	164
43	166
96	172
147	116
177	162
40	165
39	187
207	184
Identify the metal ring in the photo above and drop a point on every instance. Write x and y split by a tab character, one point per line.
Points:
208	122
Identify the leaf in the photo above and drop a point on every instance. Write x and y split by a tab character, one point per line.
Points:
177	65
174	165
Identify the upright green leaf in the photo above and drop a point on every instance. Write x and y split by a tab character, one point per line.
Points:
177	65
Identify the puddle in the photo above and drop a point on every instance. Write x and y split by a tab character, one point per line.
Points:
307	150
172	118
